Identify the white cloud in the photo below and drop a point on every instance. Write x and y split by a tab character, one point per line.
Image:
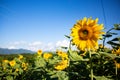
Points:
36	45
18	43
63	43
49	47
12	47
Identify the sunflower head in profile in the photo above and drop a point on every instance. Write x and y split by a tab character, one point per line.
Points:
86	33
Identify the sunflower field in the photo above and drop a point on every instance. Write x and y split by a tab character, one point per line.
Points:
84	59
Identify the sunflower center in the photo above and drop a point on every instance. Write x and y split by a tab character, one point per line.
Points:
85	32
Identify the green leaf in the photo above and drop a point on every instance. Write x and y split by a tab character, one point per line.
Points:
40	62
113	33
20	71
67	36
116	39
64	47
113	43
112	56
1	74
61	75
9	78
117	26
73	55
107	35
101	78
38	69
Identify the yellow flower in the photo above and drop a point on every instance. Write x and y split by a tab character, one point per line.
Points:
116	51
20	57
12	63
117	64
25	68
17	70
61	65
24	65
6	61
113	51
62	54
47	56
86	33
59	52
100	46
4	64
39	52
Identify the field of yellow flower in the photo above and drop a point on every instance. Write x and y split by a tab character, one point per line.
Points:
89	61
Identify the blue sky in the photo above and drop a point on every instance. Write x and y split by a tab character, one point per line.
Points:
34	24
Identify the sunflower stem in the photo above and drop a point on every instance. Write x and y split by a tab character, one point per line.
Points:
91	66
116	71
70	45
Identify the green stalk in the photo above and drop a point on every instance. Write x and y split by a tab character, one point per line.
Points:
116	71
91	66
70	45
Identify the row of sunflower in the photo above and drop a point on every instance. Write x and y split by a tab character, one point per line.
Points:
62	66
50	65
12	69
91	61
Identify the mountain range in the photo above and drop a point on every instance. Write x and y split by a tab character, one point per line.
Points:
14	51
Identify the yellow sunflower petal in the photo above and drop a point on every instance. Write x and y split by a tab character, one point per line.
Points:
84	20
86	33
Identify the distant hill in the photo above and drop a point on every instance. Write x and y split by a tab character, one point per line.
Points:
14	51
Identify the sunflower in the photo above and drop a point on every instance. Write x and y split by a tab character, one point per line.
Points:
62	54
20	57
100	46
86	33
24	65
39	52
12	63
117	64
5	61
61	65
16	69
47	55
117	52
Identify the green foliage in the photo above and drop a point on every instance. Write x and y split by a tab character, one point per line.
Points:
115	42
78	69
13	69
117	26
